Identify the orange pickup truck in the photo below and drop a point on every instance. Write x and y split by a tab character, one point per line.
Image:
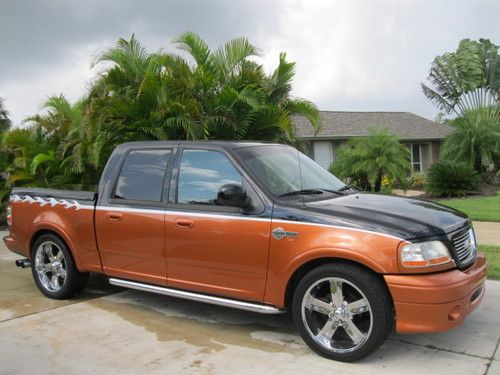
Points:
258	227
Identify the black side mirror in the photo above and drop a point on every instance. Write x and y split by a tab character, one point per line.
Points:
232	195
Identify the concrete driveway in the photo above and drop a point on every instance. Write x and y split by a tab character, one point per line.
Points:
110	330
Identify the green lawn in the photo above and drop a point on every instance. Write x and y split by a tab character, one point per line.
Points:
493	255
481	209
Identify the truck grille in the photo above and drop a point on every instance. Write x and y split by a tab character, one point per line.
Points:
464	243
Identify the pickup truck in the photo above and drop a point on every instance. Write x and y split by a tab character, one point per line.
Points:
258	227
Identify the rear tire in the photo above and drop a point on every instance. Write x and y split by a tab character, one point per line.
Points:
342	311
54	269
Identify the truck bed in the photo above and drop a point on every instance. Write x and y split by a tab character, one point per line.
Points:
54	193
68	213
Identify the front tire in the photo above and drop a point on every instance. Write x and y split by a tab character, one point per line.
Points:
342	311
54	269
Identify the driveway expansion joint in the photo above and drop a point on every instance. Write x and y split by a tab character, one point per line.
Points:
433	347
492	358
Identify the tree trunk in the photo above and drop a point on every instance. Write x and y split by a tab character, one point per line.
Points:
378	182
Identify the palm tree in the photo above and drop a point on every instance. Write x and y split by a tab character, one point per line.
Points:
219	94
476	140
366	160
466	83
466	79
4	118
69	141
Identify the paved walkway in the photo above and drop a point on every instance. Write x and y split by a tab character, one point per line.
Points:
487	233
407	193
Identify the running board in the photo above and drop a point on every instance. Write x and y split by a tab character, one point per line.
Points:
226	302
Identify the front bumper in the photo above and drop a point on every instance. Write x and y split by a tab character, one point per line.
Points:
436	302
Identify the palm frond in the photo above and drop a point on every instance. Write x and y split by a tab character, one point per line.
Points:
195	46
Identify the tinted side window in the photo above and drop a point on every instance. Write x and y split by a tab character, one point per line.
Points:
141	176
201	174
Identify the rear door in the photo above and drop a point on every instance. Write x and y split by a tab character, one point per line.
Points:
130	218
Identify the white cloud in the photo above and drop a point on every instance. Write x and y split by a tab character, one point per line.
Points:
350	54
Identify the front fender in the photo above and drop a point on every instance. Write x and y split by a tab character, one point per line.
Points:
375	251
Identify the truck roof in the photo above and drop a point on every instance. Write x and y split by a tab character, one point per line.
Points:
222	144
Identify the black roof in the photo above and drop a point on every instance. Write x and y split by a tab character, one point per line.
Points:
221	144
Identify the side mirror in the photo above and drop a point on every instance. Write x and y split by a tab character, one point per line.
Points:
232	195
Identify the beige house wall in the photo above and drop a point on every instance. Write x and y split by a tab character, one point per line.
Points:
429	150
430	154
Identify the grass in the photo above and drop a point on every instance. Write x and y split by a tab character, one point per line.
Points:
480	209
493	255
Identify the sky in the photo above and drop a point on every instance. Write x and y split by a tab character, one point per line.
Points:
351	55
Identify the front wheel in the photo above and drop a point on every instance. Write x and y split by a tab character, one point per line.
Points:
343	312
54	269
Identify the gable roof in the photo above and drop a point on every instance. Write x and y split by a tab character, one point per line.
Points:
341	125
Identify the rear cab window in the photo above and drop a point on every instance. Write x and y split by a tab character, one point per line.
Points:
142	176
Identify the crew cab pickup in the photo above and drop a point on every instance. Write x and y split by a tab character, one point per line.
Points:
259	227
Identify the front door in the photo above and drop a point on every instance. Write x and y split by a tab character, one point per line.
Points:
212	248
130	223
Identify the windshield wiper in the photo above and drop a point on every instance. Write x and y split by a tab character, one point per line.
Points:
301	192
341	190
346	187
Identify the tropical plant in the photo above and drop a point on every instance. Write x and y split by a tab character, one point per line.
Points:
466	84
476	141
138	95
418	180
4	118
448	178
466	79
365	161
221	94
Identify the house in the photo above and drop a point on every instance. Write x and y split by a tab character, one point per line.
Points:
422	136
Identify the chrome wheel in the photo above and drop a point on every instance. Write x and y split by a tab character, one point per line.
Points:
337	315
50	266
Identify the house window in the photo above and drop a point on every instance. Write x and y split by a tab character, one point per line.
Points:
415	157
323	153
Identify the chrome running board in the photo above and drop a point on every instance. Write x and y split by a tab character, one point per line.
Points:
241	305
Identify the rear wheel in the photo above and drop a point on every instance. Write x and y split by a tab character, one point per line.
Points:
54	269
343	312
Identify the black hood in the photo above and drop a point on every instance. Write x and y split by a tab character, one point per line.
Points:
397	216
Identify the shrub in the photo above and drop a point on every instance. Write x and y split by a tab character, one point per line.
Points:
450	178
364	161
418	180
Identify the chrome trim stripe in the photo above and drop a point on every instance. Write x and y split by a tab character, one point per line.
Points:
181	213
232	217
226	302
338	227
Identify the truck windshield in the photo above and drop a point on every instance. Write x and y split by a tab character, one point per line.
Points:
277	167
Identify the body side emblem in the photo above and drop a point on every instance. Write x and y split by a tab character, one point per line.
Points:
279	233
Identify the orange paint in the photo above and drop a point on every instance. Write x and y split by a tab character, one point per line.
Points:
423	303
238	258
217	255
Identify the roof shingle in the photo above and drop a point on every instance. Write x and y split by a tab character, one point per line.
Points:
340	125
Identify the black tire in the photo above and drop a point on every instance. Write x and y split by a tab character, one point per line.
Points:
54	269
316	313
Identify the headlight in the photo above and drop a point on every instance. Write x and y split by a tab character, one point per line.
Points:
424	254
